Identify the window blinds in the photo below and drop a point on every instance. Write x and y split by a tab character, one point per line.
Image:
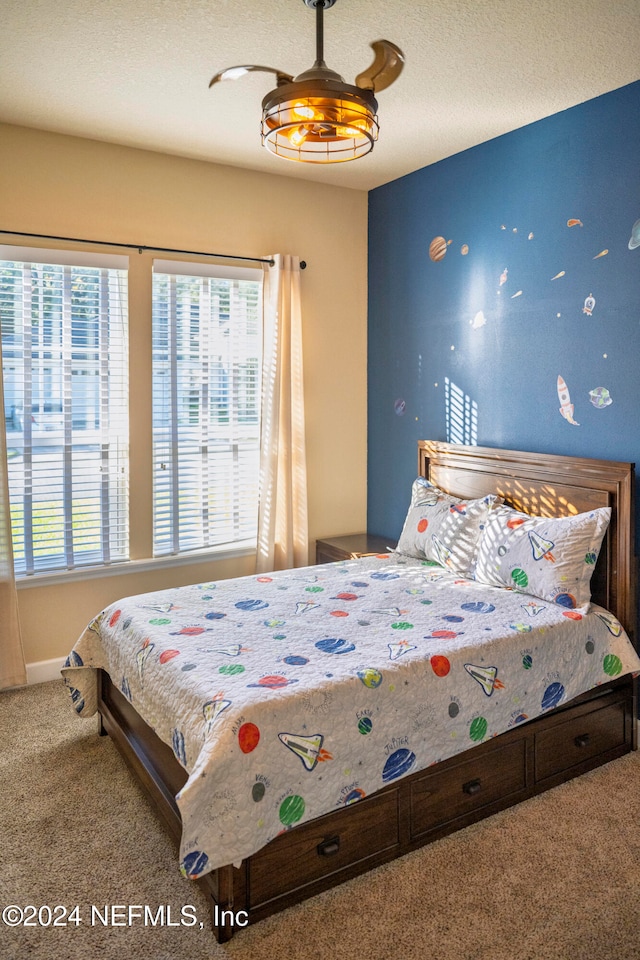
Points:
207	344
64	355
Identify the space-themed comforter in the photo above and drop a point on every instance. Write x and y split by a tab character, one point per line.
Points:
290	695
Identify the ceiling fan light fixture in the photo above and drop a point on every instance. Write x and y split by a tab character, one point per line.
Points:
316	117
318	124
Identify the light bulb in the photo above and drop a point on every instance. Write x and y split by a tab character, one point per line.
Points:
354	129
298	135
305	111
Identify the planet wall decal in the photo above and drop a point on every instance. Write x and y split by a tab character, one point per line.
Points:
437	249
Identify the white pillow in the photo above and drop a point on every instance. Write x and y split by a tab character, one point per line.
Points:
551	558
443	528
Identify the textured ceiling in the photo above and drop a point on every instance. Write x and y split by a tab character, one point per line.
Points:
137	73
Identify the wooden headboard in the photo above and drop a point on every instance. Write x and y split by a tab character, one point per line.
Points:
549	485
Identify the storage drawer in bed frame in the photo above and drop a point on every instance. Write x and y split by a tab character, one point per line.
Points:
532	757
356	839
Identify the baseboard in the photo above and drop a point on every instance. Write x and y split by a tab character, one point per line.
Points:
44	670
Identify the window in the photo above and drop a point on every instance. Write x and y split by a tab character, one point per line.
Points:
64	362
207	345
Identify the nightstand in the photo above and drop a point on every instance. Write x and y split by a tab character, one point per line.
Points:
350	547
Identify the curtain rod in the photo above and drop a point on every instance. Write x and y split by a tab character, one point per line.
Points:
140	247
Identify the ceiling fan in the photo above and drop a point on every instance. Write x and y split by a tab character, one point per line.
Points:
316	117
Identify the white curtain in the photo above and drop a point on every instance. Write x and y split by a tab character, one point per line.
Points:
12	666
283	539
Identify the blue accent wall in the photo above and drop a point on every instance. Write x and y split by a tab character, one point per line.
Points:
535	277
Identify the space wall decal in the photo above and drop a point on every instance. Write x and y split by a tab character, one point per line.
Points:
600	397
499	252
566	407
438	248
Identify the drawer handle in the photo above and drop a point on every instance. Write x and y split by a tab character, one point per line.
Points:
328	848
472	787
582	740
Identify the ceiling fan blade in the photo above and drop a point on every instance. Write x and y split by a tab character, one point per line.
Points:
386	67
234	73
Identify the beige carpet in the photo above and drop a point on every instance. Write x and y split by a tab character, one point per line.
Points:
557	878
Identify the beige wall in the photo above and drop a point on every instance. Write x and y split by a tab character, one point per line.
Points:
54	184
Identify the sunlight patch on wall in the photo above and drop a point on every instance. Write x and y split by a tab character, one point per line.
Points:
461	414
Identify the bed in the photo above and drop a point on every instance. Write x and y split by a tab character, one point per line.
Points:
519	718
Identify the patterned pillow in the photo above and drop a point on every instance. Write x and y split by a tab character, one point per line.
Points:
443	528
551	558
